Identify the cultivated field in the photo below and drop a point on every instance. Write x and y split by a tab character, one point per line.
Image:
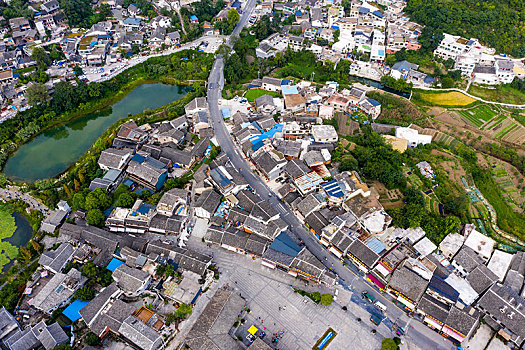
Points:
452	98
478	115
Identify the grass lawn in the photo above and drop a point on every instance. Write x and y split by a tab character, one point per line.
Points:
251	95
499	93
452	98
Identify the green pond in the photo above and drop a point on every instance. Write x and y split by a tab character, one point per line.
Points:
20	238
55	150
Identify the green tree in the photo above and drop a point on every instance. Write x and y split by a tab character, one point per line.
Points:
447	83
183	311
36	93
78	201
92	339
327	299
85	293
41	57
95	217
316	297
389	344
125	200
348	163
337	32
233	18
90	270
78	12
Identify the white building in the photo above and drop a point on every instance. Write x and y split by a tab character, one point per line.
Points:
453	46
324	133
413	137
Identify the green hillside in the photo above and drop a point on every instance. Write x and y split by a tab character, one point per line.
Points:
496	23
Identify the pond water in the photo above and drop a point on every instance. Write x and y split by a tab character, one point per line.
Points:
20	237
55	150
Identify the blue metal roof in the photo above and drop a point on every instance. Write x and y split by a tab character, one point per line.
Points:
225	113
378	14
113	264
333	189
138	158
376	246
194	18
284	244
374	102
363	10
72	311
289	89
218	177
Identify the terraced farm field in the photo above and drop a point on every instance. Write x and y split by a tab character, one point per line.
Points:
512	195
478	115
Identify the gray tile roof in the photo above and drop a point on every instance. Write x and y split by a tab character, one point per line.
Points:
55	260
7	323
362	253
434	308
468	259
140	334
210	331
52	336
462	320
408	283
296	168
112	157
481	278
507	307
130	279
90	311
184	258
308	204
209	201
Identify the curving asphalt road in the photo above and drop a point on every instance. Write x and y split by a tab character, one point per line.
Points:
347	277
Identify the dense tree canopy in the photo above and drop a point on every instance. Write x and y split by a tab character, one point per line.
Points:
496	23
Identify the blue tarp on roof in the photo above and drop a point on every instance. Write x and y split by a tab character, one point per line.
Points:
378	14
376	246
72	311
256	146
267	135
286	82
284	244
194	18
128	182
289	89
113	264
145	208
363	10
225	113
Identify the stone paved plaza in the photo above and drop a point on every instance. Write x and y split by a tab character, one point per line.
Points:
303	322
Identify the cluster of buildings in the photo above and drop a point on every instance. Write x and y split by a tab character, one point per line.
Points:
117	308
450	288
373	29
307	100
479	62
105	42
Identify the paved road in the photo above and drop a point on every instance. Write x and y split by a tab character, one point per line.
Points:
12	193
125	64
215	85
